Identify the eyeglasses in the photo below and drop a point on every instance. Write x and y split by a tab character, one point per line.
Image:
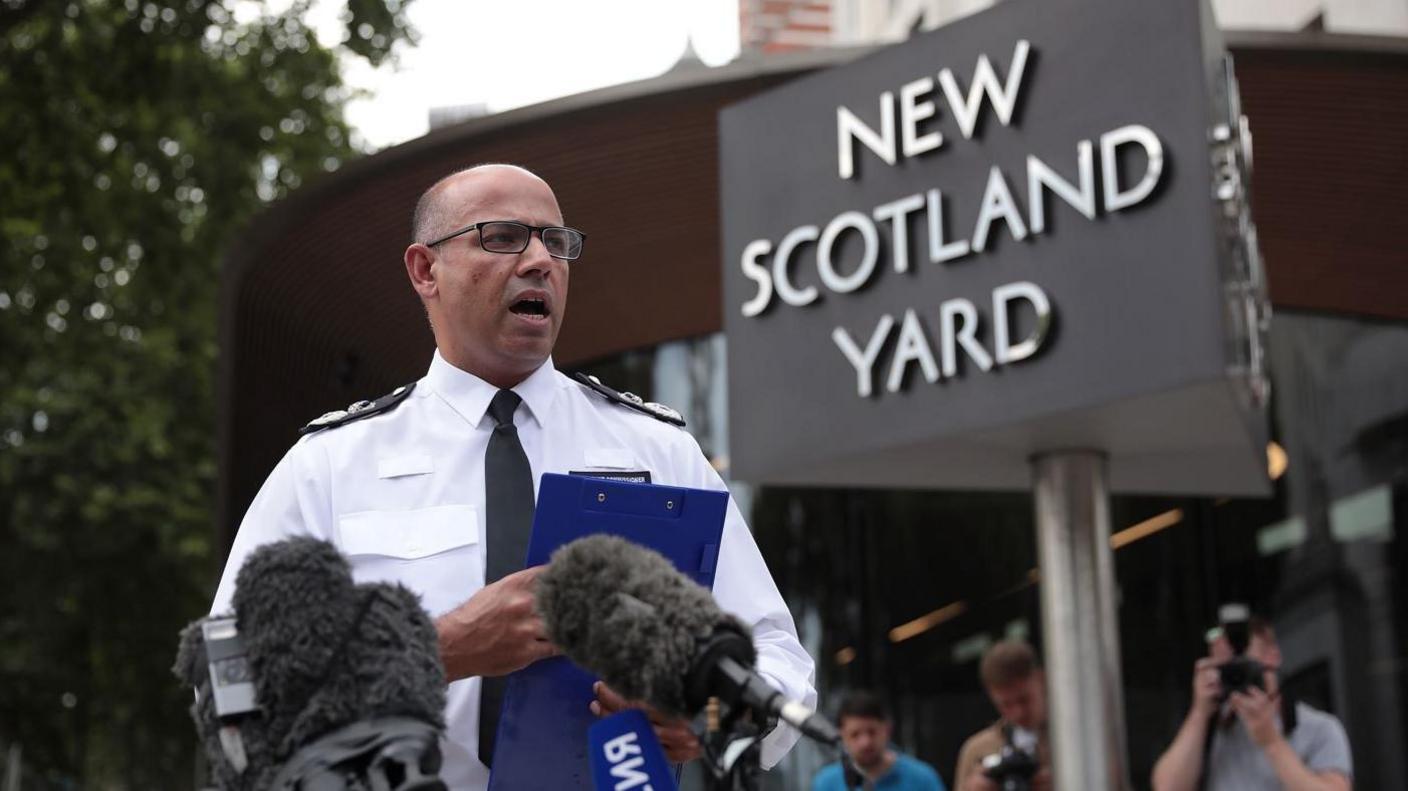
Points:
504	236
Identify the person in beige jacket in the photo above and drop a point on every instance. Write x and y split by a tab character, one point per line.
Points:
1017	687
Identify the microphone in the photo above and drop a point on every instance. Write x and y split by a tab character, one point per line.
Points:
316	682
625	613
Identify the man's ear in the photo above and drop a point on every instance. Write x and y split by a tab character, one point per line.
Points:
418	260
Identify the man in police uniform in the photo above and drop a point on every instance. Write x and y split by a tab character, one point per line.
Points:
399	484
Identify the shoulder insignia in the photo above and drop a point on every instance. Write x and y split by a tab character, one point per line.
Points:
658	411
359	410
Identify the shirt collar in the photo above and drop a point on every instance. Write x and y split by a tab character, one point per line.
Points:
469	395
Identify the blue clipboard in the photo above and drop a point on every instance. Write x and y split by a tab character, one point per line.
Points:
543	731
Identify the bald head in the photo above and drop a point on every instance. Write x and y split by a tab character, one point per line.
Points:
434	214
495	314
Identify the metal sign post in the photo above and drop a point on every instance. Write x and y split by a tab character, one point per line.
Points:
1085	713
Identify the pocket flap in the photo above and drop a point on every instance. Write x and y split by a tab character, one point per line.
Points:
610	458
408	534
398	466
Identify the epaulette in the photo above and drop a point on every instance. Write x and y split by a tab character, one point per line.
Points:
657	411
359	410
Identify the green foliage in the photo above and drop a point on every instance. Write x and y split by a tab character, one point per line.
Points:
139	138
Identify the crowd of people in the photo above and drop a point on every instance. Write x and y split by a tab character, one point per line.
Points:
1241	732
1015	745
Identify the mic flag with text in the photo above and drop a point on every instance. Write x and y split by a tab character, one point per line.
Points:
627	755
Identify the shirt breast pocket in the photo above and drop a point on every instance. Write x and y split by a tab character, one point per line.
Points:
435	551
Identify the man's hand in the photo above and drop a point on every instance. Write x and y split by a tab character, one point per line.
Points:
1257	711
977	781
496	632
1207	686
1179	768
1041	781
676	738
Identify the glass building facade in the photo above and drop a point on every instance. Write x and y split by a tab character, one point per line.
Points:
900	592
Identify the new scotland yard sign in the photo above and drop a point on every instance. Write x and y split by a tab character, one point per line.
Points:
1024	232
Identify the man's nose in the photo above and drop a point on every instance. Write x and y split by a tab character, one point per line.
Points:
535	258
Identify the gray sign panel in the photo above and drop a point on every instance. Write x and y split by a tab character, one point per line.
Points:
1022	232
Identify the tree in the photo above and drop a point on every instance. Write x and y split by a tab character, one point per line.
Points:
140	137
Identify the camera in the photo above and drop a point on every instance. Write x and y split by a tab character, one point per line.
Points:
1241	672
1011	768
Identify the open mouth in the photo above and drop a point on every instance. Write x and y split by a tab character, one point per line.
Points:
530	307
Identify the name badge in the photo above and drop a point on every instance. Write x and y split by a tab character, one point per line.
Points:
630	476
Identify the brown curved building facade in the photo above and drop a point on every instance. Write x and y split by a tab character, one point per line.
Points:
316	310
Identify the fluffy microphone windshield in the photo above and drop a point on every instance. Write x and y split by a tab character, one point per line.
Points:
624	612
325	653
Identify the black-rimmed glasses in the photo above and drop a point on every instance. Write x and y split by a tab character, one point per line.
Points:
506	236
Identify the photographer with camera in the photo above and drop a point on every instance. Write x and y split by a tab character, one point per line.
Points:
873	764
1012	754
1241	733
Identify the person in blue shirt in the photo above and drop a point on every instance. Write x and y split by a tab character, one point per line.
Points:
865	731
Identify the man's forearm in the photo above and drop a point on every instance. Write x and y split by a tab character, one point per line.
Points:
448	634
457	639
1181	764
1295	775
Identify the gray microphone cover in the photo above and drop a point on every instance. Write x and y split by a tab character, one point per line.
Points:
325	653
625	613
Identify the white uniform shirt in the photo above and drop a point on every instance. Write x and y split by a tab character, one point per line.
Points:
401	494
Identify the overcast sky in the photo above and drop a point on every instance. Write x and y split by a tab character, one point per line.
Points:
510	54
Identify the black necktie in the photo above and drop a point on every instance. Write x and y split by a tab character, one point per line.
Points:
508	520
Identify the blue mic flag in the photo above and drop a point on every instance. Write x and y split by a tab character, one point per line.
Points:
626	756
